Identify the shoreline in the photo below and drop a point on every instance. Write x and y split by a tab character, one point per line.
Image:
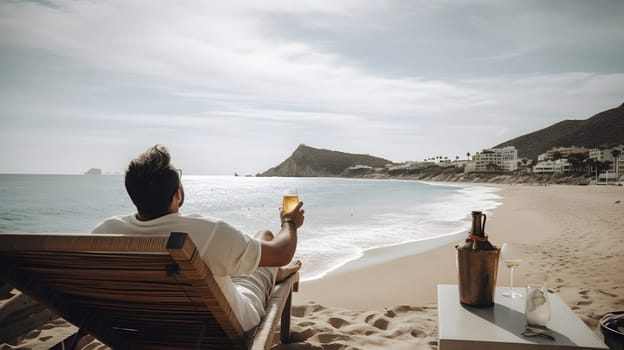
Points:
369	257
529	216
375	257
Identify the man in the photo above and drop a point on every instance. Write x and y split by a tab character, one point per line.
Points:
245	268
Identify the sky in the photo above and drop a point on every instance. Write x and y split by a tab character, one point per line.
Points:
236	86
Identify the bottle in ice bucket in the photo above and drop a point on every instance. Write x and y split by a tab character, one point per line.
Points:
477	265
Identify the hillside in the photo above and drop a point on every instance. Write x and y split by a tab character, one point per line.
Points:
605	129
309	161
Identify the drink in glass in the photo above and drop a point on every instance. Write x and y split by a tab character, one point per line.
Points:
512	259
512	263
291	199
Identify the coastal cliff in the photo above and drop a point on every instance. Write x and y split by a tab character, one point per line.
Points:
307	161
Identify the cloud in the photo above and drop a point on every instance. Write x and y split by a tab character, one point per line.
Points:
396	79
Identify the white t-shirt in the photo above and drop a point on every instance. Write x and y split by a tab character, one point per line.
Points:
226	250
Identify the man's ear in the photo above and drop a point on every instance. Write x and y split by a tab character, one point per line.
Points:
175	201
181	193
177	196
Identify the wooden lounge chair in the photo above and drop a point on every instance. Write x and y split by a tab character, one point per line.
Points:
136	292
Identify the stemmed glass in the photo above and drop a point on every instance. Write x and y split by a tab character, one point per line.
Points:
511	258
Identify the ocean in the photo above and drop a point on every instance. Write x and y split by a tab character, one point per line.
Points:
344	217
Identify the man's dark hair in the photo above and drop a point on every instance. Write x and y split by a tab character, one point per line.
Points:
151	182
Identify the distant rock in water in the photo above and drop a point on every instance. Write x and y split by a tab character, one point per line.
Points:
312	162
94	171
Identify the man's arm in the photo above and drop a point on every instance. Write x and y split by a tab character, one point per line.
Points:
280	250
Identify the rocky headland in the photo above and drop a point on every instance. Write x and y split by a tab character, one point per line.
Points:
603	130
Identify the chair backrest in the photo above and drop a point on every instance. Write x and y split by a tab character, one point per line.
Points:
130	292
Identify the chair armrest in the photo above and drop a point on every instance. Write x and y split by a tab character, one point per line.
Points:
278	307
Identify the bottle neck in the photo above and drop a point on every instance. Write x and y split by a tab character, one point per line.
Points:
476	226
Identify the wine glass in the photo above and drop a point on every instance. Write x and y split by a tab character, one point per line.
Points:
511	258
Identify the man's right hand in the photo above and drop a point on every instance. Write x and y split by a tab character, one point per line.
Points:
280	250
296	215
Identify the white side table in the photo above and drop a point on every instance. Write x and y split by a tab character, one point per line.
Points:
500	326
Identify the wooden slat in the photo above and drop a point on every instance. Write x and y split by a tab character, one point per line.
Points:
82	243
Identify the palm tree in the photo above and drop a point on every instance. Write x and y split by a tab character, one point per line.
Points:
616	155
468	155
524	162
456	159
590	162
603	166
575	160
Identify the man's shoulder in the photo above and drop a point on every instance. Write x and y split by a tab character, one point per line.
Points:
207	225
112	224
193	222
194	218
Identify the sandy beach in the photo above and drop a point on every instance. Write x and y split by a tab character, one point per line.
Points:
574	235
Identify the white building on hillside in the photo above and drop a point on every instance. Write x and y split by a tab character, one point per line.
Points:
564	152
559	166
470	167
494	159
603	155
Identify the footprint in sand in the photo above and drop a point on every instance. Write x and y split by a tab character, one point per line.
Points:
336	346
390	314
306	324
303	310
380	323
406	308
329	338
583	293
337	322
302	335
607	293
417	333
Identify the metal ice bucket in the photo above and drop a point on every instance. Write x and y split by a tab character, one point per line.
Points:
477	271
